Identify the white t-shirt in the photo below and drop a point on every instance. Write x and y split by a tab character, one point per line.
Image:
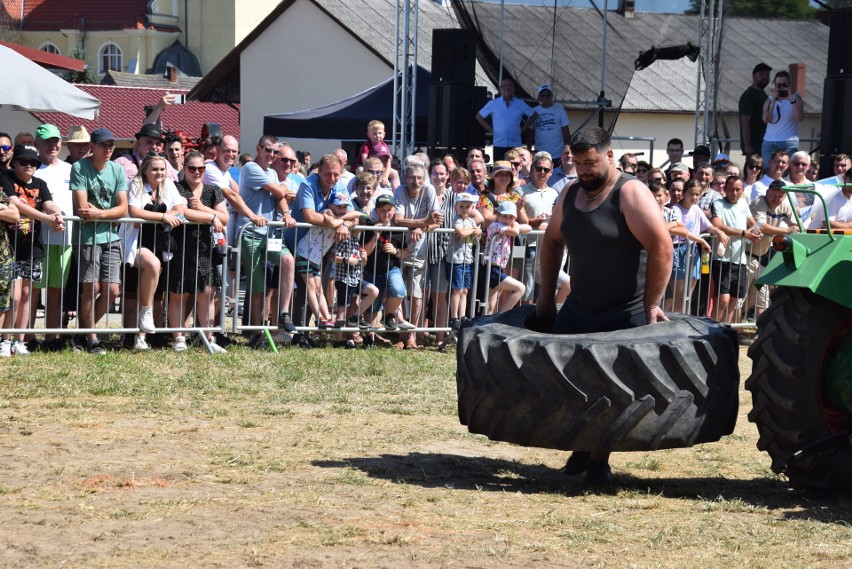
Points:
58	178
216	177
839	209
140	197
537	202
548	129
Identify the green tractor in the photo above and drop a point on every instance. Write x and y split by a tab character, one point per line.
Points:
801	381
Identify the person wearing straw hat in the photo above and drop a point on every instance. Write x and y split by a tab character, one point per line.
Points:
79	143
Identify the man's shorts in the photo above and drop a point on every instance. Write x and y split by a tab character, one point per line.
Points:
29	270
57	266
390	285
731	278
436	277
101	262
305	267
256	261
414	273
461	276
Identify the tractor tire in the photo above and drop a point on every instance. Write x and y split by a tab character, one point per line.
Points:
798	337
667	385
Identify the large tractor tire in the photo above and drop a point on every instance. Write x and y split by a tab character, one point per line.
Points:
667	385
799	337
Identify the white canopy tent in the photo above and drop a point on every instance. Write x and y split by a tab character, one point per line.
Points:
27	86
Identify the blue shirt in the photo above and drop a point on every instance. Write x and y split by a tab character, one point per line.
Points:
559	180
261	202
309	196
506	118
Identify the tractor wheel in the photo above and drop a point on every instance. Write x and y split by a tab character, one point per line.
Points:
673	384
799	336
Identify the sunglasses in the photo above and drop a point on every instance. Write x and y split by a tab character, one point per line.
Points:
5	148
655	179
271	151
516	164
155	155
800	164
753	167
29	163
106	145
196	169
641	170
376	173
290	161
542	169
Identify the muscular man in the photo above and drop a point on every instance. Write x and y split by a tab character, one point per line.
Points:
621	259
752	127
507	114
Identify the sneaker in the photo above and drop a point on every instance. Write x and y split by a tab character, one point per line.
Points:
146	321
282	338
285	322
179	344
359	322
5	349
390	322
406	326
325	324
455	324
20	349
217	349
94	347
55	345
141	345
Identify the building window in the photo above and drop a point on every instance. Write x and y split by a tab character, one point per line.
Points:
50	47
110	58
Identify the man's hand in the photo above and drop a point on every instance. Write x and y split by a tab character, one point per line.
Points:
655	314
89	212
258	220
56	222
545	314
416	234
341	233
289	221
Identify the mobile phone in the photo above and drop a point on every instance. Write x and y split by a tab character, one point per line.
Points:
179	99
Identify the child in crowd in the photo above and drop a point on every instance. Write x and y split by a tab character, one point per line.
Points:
687	261
375	135
670	216
310	250
385	251
32	198
498	242
459	256
10	215
354	295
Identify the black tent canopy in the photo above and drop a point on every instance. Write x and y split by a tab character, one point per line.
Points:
347	119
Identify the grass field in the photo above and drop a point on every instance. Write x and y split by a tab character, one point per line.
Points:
331	458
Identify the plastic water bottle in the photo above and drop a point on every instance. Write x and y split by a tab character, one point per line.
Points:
705	264
221	246
720	248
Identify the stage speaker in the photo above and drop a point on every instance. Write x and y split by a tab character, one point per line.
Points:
452	116
453	56
836	135
840	43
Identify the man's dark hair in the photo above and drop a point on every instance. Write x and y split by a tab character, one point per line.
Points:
760	67
5	135
676	141
656	185
590	137
778	152
171	137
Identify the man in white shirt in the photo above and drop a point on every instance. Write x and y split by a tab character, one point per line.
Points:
549	123
839	208
778	163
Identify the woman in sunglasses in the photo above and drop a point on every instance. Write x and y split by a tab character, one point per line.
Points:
193	280
752	173
153	197
782	113
33	200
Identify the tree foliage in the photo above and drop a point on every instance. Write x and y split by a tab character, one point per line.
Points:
85	76
784	9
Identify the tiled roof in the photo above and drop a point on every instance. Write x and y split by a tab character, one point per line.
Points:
148	81
665	85
123	110
46	59
77	14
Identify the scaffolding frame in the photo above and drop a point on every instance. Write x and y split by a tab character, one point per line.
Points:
405	77
710	27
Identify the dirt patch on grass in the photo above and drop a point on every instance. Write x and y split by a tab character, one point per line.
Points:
364	466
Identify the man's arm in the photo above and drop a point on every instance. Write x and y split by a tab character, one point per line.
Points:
745	134
485	124
643	218
550	250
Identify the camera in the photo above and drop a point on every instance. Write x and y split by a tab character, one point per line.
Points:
782	92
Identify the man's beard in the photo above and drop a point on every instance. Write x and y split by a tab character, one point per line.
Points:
593	184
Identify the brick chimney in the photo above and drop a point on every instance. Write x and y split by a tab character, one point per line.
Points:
797	78
627	8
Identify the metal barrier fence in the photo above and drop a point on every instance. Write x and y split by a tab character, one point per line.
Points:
192	271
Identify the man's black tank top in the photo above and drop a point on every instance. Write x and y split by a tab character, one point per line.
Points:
607	263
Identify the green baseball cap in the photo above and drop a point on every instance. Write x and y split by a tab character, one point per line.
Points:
48	131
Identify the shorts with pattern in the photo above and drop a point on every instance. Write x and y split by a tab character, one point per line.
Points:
7	274
29	269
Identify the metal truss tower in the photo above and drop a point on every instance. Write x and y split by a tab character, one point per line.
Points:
404	77
707	83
